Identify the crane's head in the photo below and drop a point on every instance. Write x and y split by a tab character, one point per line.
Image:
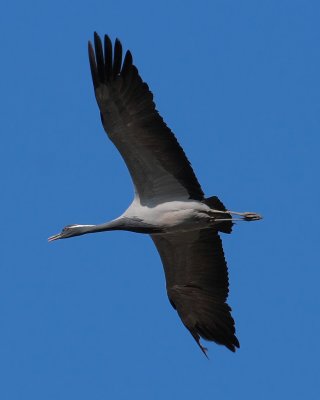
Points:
69	231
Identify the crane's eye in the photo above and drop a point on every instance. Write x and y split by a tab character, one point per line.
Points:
67	228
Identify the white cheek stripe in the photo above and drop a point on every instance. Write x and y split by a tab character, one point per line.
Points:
78	226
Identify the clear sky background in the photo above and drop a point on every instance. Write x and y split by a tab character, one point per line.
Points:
88	318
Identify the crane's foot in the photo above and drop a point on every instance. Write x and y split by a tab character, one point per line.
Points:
246	216
235	216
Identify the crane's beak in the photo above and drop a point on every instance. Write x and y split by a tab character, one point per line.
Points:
54	237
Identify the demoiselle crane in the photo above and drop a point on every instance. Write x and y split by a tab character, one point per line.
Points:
169	203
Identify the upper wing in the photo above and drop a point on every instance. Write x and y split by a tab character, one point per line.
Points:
158	166
197	284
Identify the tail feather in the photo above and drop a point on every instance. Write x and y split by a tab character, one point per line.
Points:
214	203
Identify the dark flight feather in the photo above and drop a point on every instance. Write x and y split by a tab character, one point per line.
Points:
198	285
156	161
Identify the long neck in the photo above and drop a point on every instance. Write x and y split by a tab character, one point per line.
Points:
116	224
121	223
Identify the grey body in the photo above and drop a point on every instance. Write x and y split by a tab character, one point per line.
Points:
169	203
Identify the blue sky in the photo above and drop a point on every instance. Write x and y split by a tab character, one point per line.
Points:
88	318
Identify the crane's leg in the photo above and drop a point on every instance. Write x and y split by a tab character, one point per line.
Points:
244	216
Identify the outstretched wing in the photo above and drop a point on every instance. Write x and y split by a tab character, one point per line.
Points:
158	166
197	284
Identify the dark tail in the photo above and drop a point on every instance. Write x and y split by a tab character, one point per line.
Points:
214	203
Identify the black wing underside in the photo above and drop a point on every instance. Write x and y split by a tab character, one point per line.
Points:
197	284
158	165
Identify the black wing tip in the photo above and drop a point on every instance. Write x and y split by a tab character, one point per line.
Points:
231	342
204	315
129	55
93	65
96	38
234	345
117	58
107	42
197	339
90	50
127	63
106	59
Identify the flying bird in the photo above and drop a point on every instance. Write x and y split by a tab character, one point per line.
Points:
169	204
